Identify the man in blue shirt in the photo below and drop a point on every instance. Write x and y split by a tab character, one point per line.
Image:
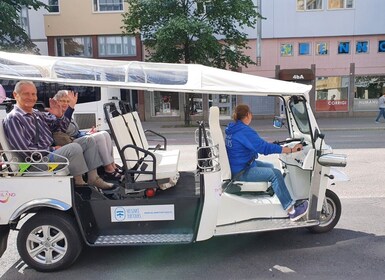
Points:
243	145
29	129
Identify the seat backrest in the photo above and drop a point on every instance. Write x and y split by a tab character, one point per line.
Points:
122	138
10	156
139	126
217	139
134	132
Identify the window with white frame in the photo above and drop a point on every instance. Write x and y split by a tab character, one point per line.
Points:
53	6
321	48
286	49
304	48
24	21
362	47
309	5
340	4
108	5
343	48
117	46
74	46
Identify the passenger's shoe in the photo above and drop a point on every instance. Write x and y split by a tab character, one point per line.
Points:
376	121
99	183
300	211
113	176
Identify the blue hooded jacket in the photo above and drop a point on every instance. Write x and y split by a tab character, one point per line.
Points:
243	144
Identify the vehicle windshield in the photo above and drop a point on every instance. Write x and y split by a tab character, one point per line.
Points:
298	108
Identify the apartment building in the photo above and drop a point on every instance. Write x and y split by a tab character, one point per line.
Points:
92	29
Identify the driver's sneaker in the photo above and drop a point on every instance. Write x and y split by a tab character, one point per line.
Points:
300	211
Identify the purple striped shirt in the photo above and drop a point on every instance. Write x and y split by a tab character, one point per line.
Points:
20	128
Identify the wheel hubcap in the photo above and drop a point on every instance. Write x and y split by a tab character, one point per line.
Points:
47	244
328	212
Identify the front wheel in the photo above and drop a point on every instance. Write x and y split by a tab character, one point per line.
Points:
330	214
49	241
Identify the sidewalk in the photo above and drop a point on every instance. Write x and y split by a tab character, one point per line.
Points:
265	125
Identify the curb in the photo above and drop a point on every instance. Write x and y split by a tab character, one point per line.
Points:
273	130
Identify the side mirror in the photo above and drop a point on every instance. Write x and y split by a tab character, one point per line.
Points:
317	135
278	122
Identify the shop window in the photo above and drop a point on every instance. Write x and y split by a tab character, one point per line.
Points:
304	48
196	103
340	4
108	5
381	46
332	94
362	47
343	47
74	46
321	48
117	46
367	90
309	5
53	6
286	49
165	104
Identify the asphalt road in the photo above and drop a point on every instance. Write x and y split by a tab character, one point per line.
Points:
355	249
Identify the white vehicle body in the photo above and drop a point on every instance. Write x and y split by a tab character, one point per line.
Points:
198	207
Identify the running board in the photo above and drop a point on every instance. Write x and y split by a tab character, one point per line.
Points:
260	225
144	239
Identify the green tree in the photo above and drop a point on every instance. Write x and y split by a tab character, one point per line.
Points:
12	35
208	32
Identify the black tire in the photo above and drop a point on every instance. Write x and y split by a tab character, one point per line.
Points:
328	220
49	241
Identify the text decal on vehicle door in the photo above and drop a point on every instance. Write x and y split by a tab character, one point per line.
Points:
142	213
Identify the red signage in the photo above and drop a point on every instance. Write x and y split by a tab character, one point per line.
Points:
331	105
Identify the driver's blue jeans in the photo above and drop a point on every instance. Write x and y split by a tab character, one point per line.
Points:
265	172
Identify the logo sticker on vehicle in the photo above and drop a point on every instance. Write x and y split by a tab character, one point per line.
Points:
5	196
143	213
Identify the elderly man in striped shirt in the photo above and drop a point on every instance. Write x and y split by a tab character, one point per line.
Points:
29	129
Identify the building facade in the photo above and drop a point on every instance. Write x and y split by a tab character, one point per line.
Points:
92	29
338	46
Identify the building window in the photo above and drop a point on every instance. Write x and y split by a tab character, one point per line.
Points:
340	4
362	47
286	49
367	90
332	94
117	46
74	46
343	47
53	6
24	21
381	46
321	48
108	5
309	5
304	48
165	104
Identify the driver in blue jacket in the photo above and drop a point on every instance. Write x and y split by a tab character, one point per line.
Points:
243	145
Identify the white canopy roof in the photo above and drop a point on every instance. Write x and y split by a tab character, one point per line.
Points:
141	75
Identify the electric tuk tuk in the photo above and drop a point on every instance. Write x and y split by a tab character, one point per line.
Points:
55	219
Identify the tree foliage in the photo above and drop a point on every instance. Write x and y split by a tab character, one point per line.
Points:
208	32
12	36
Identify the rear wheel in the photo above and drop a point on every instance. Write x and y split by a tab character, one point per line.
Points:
49	241
330	214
